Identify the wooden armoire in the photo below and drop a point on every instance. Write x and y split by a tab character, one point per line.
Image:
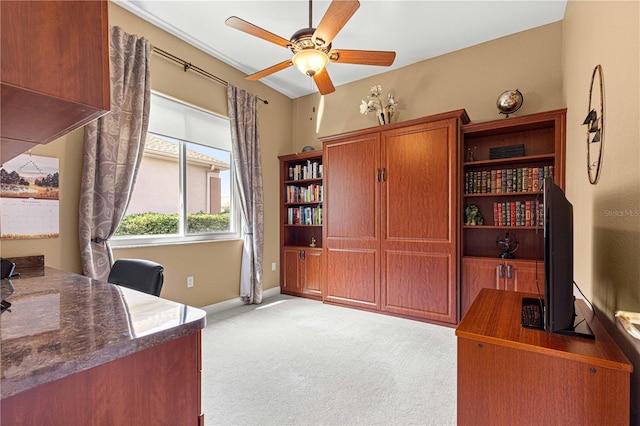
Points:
390	235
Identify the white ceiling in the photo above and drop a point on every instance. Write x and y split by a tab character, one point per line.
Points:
415	30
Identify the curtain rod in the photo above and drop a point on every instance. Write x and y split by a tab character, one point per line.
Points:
188	66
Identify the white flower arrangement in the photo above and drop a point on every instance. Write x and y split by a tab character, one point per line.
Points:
383	110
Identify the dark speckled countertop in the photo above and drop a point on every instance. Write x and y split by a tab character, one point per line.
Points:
61	323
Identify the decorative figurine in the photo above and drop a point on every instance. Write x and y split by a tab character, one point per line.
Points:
473	215
313	242
509	244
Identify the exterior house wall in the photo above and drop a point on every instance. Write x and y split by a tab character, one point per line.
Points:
157	188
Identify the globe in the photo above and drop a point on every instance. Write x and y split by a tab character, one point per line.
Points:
509	102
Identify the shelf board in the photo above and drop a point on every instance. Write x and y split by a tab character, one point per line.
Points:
503	194
511	160
299	225
302	181
501	227
527	259
308	247
304	203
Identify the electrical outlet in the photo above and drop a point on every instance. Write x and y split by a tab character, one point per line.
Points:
189	282
273	266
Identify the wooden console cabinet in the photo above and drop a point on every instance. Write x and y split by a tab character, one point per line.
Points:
508	374
390	233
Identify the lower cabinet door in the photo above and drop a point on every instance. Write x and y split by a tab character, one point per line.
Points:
524	276
312	272
502	274
478	273
290	271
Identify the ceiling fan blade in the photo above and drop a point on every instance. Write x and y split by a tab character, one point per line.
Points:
254	30
362	57
337	15
323	81
268	71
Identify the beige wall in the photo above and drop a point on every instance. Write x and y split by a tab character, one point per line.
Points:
62	252
471	78
606	215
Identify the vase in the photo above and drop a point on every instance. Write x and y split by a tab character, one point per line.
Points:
384	116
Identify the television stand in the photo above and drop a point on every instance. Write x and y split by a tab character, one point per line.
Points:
532	317
508	373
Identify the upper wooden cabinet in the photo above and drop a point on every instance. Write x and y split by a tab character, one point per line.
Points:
55	70
390	231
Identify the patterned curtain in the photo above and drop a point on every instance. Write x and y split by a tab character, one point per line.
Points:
248	171
113	147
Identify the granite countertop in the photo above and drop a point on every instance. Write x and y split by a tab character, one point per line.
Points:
61	323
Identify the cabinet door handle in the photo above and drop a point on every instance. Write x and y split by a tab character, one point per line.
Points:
501	271
509	276
377	175
383	176
301	254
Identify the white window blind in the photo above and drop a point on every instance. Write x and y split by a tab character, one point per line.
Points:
187	123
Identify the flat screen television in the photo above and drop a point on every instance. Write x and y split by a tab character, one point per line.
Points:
559	302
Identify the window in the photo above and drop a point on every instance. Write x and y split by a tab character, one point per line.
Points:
185	189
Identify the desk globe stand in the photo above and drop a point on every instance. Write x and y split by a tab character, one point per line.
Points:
508	244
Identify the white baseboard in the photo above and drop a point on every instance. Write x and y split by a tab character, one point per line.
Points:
234	303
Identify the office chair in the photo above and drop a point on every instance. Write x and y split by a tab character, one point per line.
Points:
138	274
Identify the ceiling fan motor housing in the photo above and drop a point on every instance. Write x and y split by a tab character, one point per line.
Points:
303	39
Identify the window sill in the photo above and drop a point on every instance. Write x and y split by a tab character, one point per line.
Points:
126	243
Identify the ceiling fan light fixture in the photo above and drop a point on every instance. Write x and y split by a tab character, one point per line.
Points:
310	61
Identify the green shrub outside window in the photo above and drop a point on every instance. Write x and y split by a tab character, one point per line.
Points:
162	224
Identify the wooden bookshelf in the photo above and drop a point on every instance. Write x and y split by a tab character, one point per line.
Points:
301	219
503	202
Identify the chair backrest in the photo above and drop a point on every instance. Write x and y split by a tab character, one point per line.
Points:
138	274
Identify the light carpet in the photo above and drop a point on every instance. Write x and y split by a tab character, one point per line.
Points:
294	361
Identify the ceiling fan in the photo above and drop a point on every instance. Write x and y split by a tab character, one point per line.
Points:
311	47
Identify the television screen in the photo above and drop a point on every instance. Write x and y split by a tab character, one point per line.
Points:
560	315
558	258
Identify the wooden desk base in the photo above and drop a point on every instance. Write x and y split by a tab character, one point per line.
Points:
512	375
157	386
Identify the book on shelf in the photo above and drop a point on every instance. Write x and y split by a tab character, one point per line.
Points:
518	213
496	181
304	215
308	170
311	193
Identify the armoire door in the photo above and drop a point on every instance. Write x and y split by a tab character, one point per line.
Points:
418	221
351	222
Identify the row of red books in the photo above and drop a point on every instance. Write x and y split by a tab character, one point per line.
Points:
518	213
